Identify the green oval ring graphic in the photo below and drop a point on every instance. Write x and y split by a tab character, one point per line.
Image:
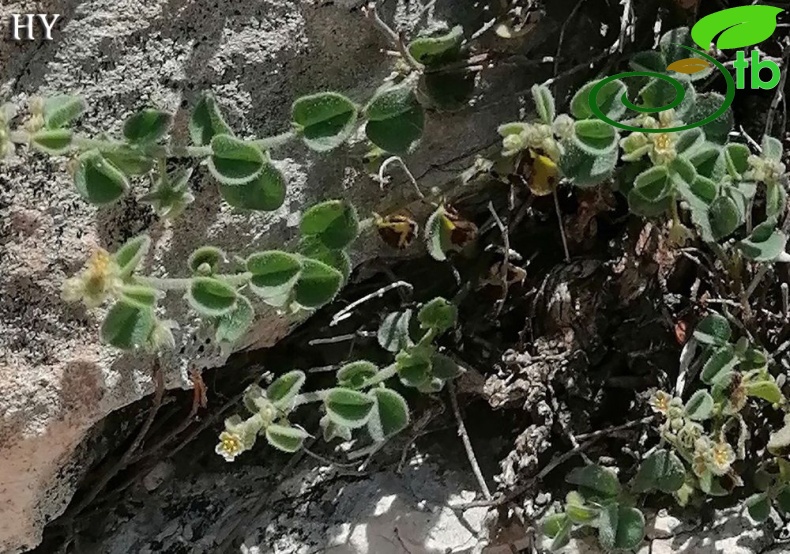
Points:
680	95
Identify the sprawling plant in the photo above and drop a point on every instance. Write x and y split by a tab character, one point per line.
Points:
304	280
698	171
361	398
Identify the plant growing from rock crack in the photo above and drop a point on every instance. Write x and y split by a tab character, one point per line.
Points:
361	398
713	180
307	280
701	439
103	167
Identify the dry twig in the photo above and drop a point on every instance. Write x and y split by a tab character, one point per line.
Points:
470	453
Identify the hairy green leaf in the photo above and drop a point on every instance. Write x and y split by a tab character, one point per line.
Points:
544	103
129	256
438	314
317	284
286	439
266	192
432	51
206	121
97	180
326	119
147	126
285	388
595	478
127	325
700	406
211	297
210	256
393	333
232	326
334	223
61	110
662	470
713	329
274	275
354	375
719	365
52	141
390	416
235	162
349	408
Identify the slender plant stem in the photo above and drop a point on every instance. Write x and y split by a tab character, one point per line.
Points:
346	312
562	227
470	453
310	397
382	375
234	279
397	159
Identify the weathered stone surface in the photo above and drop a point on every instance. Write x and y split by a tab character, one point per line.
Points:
56	379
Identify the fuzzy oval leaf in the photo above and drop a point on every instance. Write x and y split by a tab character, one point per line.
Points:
630	528
721	363
783	499
439	314
211	297
759	507
583	168
52	141
767	390
234	161
445	368
317	284
140	295
334	223
129	159
326	119
312	247
608	521
558	528
286	439
609	100
274	274
400	134
718	130
724	216
129	256
390	101
127	325
393	333
713	329
349	408
390	416
544	103
414	368
595	136
437	235
432	51
147	126
97	180
739	27
206	121
232	326
700	406
208	255
662	471
265	193
285	387
764	251
595	478
62	110
578	511
354	375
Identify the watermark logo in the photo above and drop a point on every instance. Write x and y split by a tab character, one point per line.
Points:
31	26
732	28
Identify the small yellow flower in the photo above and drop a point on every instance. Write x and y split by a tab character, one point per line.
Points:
230	445
721	457
699	464
98	281
660	402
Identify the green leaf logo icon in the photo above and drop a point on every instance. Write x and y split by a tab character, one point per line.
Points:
739	27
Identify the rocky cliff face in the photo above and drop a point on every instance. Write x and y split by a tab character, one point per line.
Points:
56	379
